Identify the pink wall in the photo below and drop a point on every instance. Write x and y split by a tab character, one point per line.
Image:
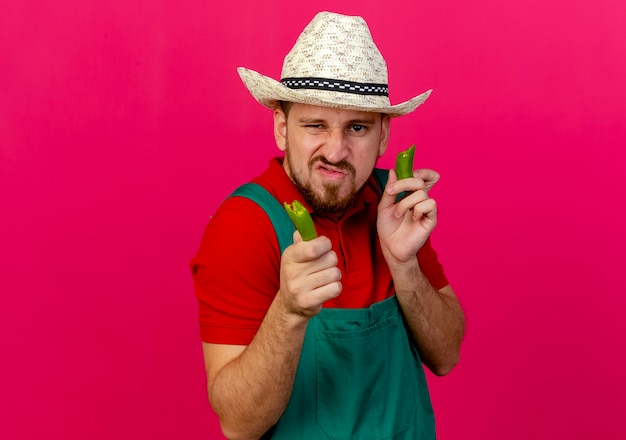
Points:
123	124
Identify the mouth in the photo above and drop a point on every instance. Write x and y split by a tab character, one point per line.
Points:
331	172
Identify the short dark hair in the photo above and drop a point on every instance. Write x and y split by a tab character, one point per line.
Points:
285	106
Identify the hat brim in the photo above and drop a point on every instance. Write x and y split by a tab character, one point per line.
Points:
270	92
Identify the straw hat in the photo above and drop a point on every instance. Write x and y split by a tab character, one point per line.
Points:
334	63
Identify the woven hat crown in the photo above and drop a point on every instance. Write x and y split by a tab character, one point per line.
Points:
334	63
336	47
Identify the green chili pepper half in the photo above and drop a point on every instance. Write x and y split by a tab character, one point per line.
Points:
404	163
301	219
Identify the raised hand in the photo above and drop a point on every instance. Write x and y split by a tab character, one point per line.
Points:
309	276
405	225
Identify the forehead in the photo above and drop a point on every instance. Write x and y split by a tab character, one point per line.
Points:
308	111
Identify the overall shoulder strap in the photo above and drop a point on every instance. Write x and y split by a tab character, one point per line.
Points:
283	226
381	177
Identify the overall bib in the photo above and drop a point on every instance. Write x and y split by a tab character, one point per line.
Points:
359	376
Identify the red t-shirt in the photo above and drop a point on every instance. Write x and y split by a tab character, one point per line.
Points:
236	270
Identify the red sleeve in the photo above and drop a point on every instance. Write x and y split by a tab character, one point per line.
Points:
235	272
429	263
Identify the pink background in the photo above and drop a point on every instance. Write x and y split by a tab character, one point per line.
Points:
123	125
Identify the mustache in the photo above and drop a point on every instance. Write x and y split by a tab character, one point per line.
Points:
342	164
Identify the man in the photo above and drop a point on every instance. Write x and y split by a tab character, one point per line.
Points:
327	338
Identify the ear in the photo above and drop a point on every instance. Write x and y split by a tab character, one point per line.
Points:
280	129
384	134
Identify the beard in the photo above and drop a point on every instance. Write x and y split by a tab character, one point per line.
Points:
329	201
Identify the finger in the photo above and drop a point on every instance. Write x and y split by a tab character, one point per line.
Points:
323	294
303	251
311	297
324	277
430	177
426	209
409	185
410	202
389	194
329	291
325	262
303	278
297	238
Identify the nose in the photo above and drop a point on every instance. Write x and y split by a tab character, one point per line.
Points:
336	147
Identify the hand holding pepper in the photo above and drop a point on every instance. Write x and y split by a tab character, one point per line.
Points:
405	223
309	276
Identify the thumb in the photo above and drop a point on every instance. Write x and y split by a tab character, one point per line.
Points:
297	238
388	198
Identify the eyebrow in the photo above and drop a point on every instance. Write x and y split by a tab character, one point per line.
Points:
358	121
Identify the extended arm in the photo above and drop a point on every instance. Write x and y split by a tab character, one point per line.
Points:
250	386
435	318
